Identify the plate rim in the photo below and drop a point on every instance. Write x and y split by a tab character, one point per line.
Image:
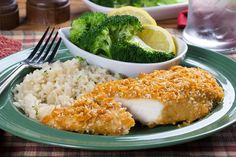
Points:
178	141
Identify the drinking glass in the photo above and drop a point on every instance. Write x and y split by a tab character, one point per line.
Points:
212	24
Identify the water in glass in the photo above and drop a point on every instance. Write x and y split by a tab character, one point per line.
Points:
212	24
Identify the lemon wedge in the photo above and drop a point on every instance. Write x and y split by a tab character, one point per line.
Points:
157	38
141	14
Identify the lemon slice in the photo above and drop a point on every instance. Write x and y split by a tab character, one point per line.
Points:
157	38
141	14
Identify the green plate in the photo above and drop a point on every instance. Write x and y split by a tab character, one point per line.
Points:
223	68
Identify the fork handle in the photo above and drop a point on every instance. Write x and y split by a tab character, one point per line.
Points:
7	80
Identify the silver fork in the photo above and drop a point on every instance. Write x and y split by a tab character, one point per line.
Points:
41	54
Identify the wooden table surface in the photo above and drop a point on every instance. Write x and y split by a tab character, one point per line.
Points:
77	7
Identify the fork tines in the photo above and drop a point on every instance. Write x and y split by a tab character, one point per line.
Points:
42	51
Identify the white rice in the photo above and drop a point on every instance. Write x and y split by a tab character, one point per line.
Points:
58	84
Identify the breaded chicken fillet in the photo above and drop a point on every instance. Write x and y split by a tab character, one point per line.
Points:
180	94
95	114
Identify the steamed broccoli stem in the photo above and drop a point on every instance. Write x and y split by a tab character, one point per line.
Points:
83	24
114	28
138	52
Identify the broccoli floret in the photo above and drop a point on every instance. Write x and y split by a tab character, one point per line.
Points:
83	24
136	51
143	3
106	3
136	3
113	29
151	3
164	2
112	3
121	3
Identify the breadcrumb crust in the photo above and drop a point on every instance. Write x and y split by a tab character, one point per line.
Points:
186	93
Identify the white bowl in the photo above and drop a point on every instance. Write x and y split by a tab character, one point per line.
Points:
125	68
158	12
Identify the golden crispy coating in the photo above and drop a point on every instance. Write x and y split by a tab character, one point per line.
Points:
168	86
186	93
92	114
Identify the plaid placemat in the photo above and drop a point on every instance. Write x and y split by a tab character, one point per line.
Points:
27	38
220	144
